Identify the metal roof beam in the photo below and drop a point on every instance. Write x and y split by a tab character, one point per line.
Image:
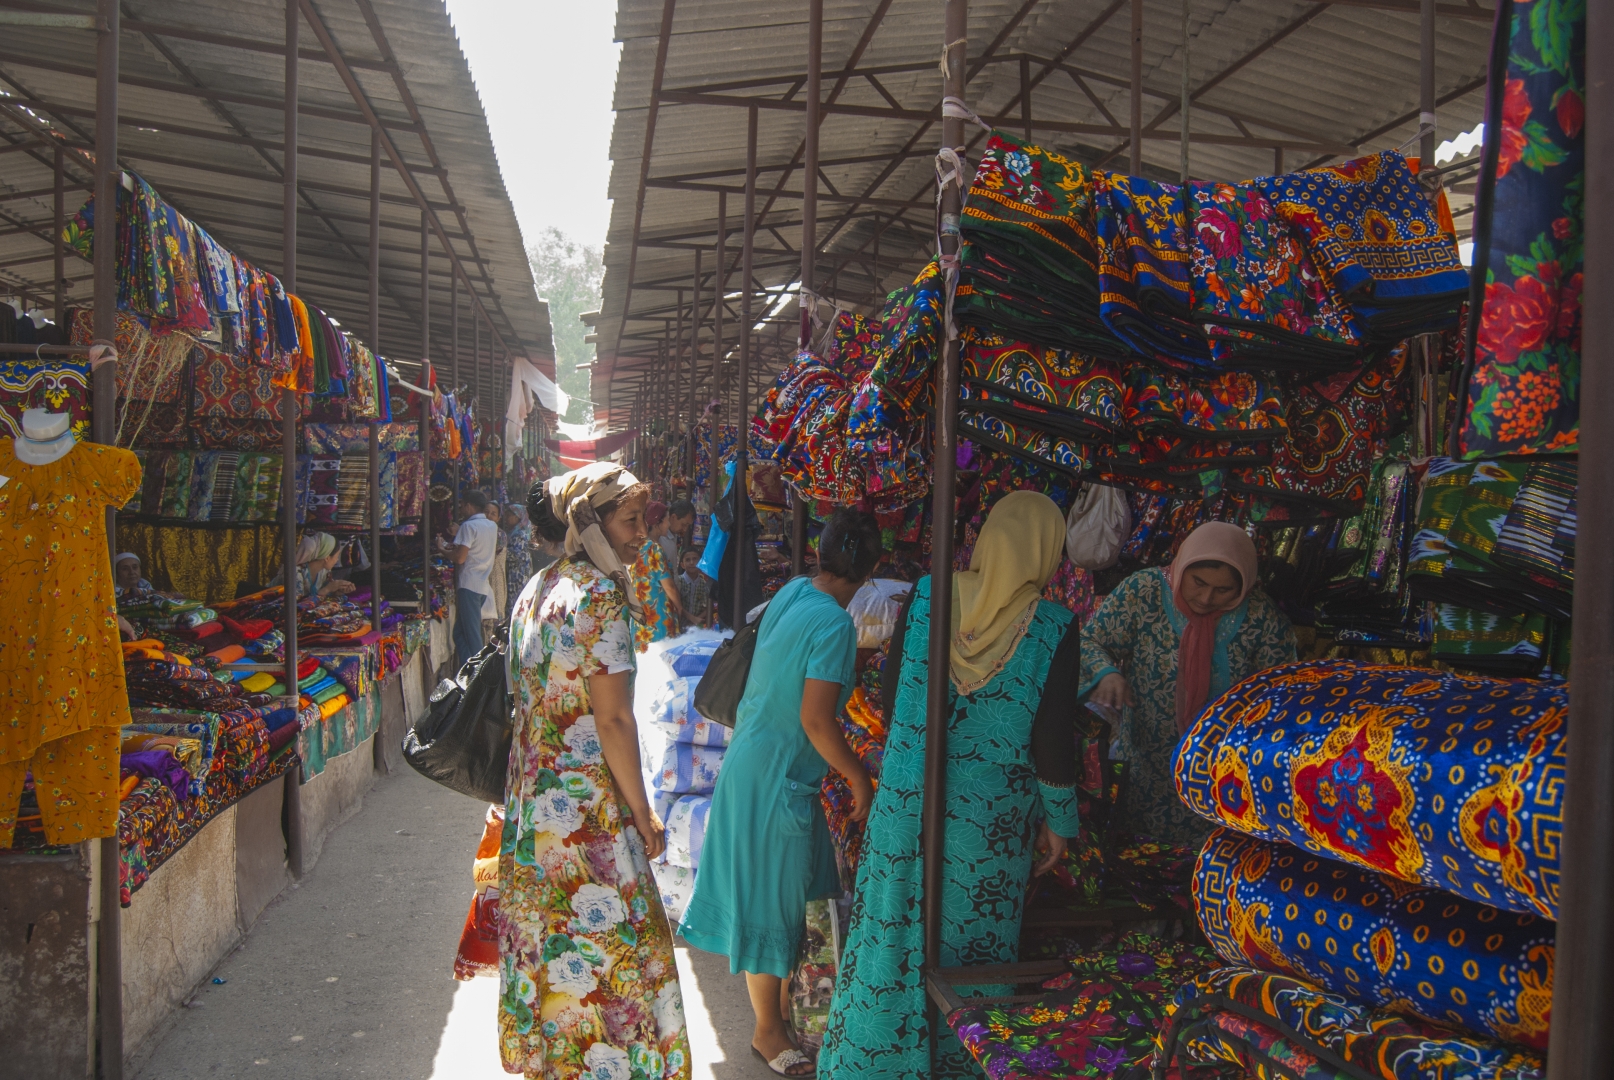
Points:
265	204
652	109
275	104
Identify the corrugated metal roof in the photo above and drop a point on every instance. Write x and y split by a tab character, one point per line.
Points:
1322	77
203	123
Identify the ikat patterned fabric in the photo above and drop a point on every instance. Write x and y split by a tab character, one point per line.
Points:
1450	781
1376	939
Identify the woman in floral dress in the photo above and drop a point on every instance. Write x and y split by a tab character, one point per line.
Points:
588	988
657	593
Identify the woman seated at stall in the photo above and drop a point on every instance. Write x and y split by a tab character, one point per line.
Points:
1165	642
127	577
767	849
1011	776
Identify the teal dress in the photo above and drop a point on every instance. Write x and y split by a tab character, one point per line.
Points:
878	1022
767	849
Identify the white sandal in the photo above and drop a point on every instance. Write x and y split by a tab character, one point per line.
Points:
788	1059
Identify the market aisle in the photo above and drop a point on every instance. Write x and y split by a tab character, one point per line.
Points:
348	973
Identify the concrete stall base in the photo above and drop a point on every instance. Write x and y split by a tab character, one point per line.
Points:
47	964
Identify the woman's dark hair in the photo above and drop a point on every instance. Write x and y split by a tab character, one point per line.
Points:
681	509
849	547
1218	564
542	515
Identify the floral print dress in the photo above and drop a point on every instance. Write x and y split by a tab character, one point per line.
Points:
650	577
1135	631
588	988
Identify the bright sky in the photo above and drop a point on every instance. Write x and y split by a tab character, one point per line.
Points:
546	70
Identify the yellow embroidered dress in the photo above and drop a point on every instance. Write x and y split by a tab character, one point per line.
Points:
588	988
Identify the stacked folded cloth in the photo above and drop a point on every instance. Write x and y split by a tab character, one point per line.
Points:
1373	862
1495	551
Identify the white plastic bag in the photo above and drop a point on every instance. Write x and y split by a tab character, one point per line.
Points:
874	610
1098	524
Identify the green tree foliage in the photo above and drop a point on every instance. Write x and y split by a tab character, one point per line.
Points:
568	274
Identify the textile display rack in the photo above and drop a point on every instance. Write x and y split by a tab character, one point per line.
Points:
1306	356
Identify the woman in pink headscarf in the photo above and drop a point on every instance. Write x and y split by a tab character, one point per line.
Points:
1166	642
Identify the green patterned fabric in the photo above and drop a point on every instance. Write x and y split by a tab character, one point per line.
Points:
878	1024
1135	631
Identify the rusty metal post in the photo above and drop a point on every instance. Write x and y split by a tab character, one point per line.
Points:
1581	1042
1136	162
59	294
426	410
1025	96
375	344
694	359
454	365
1426	85
719	294
677	362
290	408
808	299
103	423
944	460
742	381
1187	96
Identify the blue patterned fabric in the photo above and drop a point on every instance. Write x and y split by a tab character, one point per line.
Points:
1446	780
1376	939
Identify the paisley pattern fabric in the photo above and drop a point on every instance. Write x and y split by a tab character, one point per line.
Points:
878	1023
233	387
1136	632
1099	1019
1375	939
587	980
26	383
1449	781
1273	1027
1523	367
1256	289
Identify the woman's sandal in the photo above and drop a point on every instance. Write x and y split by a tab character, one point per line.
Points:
786	1060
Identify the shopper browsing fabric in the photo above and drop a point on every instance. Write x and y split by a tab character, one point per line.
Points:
518	567
1165	642
657	594
588	983
472	551
681	524
317	556
767	848
1011	775
694	588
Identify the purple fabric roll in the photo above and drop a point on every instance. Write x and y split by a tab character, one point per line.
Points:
161	765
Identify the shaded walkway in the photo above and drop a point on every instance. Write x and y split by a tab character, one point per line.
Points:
347	973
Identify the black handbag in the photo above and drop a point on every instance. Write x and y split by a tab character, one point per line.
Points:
463	741
717	695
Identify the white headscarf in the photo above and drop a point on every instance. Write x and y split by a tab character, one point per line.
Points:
574	497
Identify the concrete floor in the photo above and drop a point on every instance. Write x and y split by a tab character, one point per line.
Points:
349	972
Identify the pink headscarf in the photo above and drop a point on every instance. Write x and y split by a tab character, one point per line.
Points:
1221	542
653	514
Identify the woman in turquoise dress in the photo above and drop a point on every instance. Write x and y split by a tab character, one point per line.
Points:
767	849
1011	775
1163	643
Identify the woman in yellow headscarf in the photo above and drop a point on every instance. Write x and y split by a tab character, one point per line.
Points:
1011	775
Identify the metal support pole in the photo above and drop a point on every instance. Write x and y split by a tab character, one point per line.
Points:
694	358
677	364
720	292
454	365
289	406
944	459
809	243
425	291
1187	96
59	294
1135	166
741	383
103	424
1426	85
426	503
375	344
1025	96
1581	1042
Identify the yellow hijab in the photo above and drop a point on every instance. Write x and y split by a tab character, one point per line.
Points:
1019	549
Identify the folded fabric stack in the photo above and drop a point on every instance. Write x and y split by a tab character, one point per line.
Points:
244	486
1274	1027
1375	862
1495	549
1099	1019
1369	598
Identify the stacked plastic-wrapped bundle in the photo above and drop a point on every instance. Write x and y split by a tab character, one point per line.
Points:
681	753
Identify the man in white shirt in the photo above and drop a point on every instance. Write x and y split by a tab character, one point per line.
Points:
472	551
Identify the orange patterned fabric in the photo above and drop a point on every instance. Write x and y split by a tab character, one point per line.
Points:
61	667
76	782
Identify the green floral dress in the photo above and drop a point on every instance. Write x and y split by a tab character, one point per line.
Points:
1135	631
649	576
879	1024
588	988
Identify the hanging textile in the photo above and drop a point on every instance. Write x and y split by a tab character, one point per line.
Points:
1523	365
1145	292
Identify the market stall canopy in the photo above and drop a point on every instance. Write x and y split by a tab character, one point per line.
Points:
201	113
579	452
1274	86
